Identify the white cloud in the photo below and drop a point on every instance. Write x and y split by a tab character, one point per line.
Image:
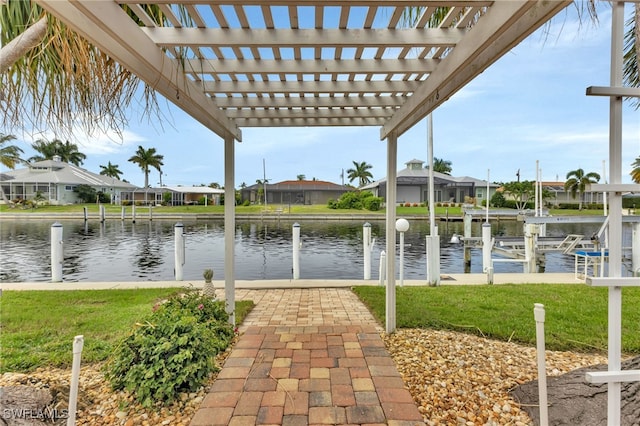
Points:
99	143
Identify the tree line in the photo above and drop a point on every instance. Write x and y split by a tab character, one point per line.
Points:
148	158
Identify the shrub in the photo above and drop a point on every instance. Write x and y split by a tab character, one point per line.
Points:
246	203
372	203
172	351
498	200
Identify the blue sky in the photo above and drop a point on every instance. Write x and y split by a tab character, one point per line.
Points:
530	105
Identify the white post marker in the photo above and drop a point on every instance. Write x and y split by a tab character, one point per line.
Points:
487	267
102	213
85	214
123	213
133	213
635	249
296	251
78	343
179	250
402	226
530	237
56	253
366	248
538	313
383	269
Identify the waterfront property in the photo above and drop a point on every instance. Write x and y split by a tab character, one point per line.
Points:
54	182
177	195
413	186
294	192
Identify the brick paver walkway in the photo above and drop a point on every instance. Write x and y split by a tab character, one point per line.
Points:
308	357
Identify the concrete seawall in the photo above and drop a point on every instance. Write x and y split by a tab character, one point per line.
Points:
446	280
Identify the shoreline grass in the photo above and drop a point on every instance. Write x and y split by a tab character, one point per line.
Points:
576	316
257	210
38	327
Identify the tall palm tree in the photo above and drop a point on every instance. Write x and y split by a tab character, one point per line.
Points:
441	166
111	170
67	151
301	177
146	158
360	172
9	154
577	181
635	172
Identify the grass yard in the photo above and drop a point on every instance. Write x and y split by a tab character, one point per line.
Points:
38	327
576	315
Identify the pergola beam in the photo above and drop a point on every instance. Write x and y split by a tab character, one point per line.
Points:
312	38
347	66
309	112
352	3
309	87
310	101
313	121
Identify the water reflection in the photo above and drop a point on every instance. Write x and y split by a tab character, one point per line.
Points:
121	251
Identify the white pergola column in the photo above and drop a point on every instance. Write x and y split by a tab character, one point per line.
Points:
615	212
392	154
229	228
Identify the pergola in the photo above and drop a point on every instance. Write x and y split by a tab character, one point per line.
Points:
251	63
388	63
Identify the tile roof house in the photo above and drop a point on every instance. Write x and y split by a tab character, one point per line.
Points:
56	181
413	186
295	192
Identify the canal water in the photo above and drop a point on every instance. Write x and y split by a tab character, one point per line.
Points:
125	251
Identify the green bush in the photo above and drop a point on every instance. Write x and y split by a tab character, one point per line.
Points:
631	202
497	200
372	203
172	351
356	200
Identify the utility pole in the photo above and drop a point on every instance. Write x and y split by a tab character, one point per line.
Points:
264	182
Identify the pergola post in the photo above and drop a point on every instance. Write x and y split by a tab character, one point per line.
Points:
392	154
229	228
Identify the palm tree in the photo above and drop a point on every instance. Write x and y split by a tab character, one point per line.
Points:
146	158
10	154
441	166
360	172
301	177
111	170
53	76
67	151
635	172
577	181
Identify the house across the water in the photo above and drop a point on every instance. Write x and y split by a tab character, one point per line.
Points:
54	182
413	187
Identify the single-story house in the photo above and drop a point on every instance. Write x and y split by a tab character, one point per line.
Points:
412	185
55	182
294	192
558	195
180	195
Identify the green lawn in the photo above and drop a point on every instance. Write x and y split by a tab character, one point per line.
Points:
38	327
93	209
576	315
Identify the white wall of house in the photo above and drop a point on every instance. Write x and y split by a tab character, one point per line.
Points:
408	194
